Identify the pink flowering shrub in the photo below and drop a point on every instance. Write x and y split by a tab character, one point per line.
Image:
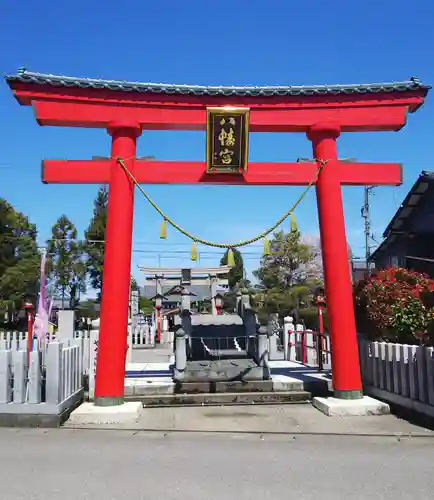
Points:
396	305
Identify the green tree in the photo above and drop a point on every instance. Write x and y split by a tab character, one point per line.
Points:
95	240
19	259
285	283
66	264
146	306
133	284
236	274
87	309
281	268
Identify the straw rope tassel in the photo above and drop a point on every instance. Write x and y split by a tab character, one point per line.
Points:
163	229
293	223
267	250
193	251
231	258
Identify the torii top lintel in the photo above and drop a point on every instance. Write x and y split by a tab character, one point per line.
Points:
93	103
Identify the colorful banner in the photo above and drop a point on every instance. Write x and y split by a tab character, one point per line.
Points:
41	326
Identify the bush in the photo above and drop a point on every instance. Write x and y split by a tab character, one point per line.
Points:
310	318
396	305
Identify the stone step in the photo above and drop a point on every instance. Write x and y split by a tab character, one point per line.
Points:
235	386
149	387
223	398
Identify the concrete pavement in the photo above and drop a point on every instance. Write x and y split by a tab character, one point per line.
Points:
289	419
81	465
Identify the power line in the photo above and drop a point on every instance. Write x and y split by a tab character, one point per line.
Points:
365	213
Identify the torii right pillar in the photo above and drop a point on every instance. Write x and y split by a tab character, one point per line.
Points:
347	382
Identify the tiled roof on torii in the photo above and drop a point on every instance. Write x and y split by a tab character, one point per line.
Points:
24	76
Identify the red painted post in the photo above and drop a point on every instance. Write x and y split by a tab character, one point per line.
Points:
158	319
321	305
28	306
347	382
320	340
112	343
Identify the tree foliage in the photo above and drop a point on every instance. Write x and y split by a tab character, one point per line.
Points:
287	277
95	240
146	306
397	305
283	267
312	270
133	284
66	264
237	273
87	309
19	258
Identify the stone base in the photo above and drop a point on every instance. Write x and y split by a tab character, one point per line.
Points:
364	407
223	398
88	413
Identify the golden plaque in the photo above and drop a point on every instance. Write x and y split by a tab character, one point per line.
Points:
227	140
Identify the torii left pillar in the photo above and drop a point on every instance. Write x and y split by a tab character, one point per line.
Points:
112	344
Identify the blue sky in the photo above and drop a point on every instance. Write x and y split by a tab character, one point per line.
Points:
208	42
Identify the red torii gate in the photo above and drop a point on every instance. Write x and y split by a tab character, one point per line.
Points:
124	109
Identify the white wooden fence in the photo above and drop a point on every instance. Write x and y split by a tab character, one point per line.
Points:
30	386
306	346
398	373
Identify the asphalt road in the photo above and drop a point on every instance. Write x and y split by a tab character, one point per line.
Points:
117	465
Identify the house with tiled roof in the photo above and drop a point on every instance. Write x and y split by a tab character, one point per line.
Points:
409	236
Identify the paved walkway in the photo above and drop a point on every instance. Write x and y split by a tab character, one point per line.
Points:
270	419
80	465
285	419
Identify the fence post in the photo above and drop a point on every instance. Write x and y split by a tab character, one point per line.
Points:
5	376
412	372
132	330
388	366
66	372
396	361
368	347
272	332
430	374
403	369
381	364
14	342
35	385
93	349
422	381
79	367
79	362
85	354
20	372
263	354
180	351
54	377
288	327
310	351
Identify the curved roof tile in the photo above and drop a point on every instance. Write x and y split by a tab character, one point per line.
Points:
25	76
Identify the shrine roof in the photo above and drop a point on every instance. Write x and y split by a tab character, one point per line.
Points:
25	76
415	196
421	190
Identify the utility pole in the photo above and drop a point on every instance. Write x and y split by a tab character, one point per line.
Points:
366	215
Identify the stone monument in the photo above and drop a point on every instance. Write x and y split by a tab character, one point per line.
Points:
226	348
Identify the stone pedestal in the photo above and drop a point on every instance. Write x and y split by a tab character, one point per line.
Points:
89	414
363	407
